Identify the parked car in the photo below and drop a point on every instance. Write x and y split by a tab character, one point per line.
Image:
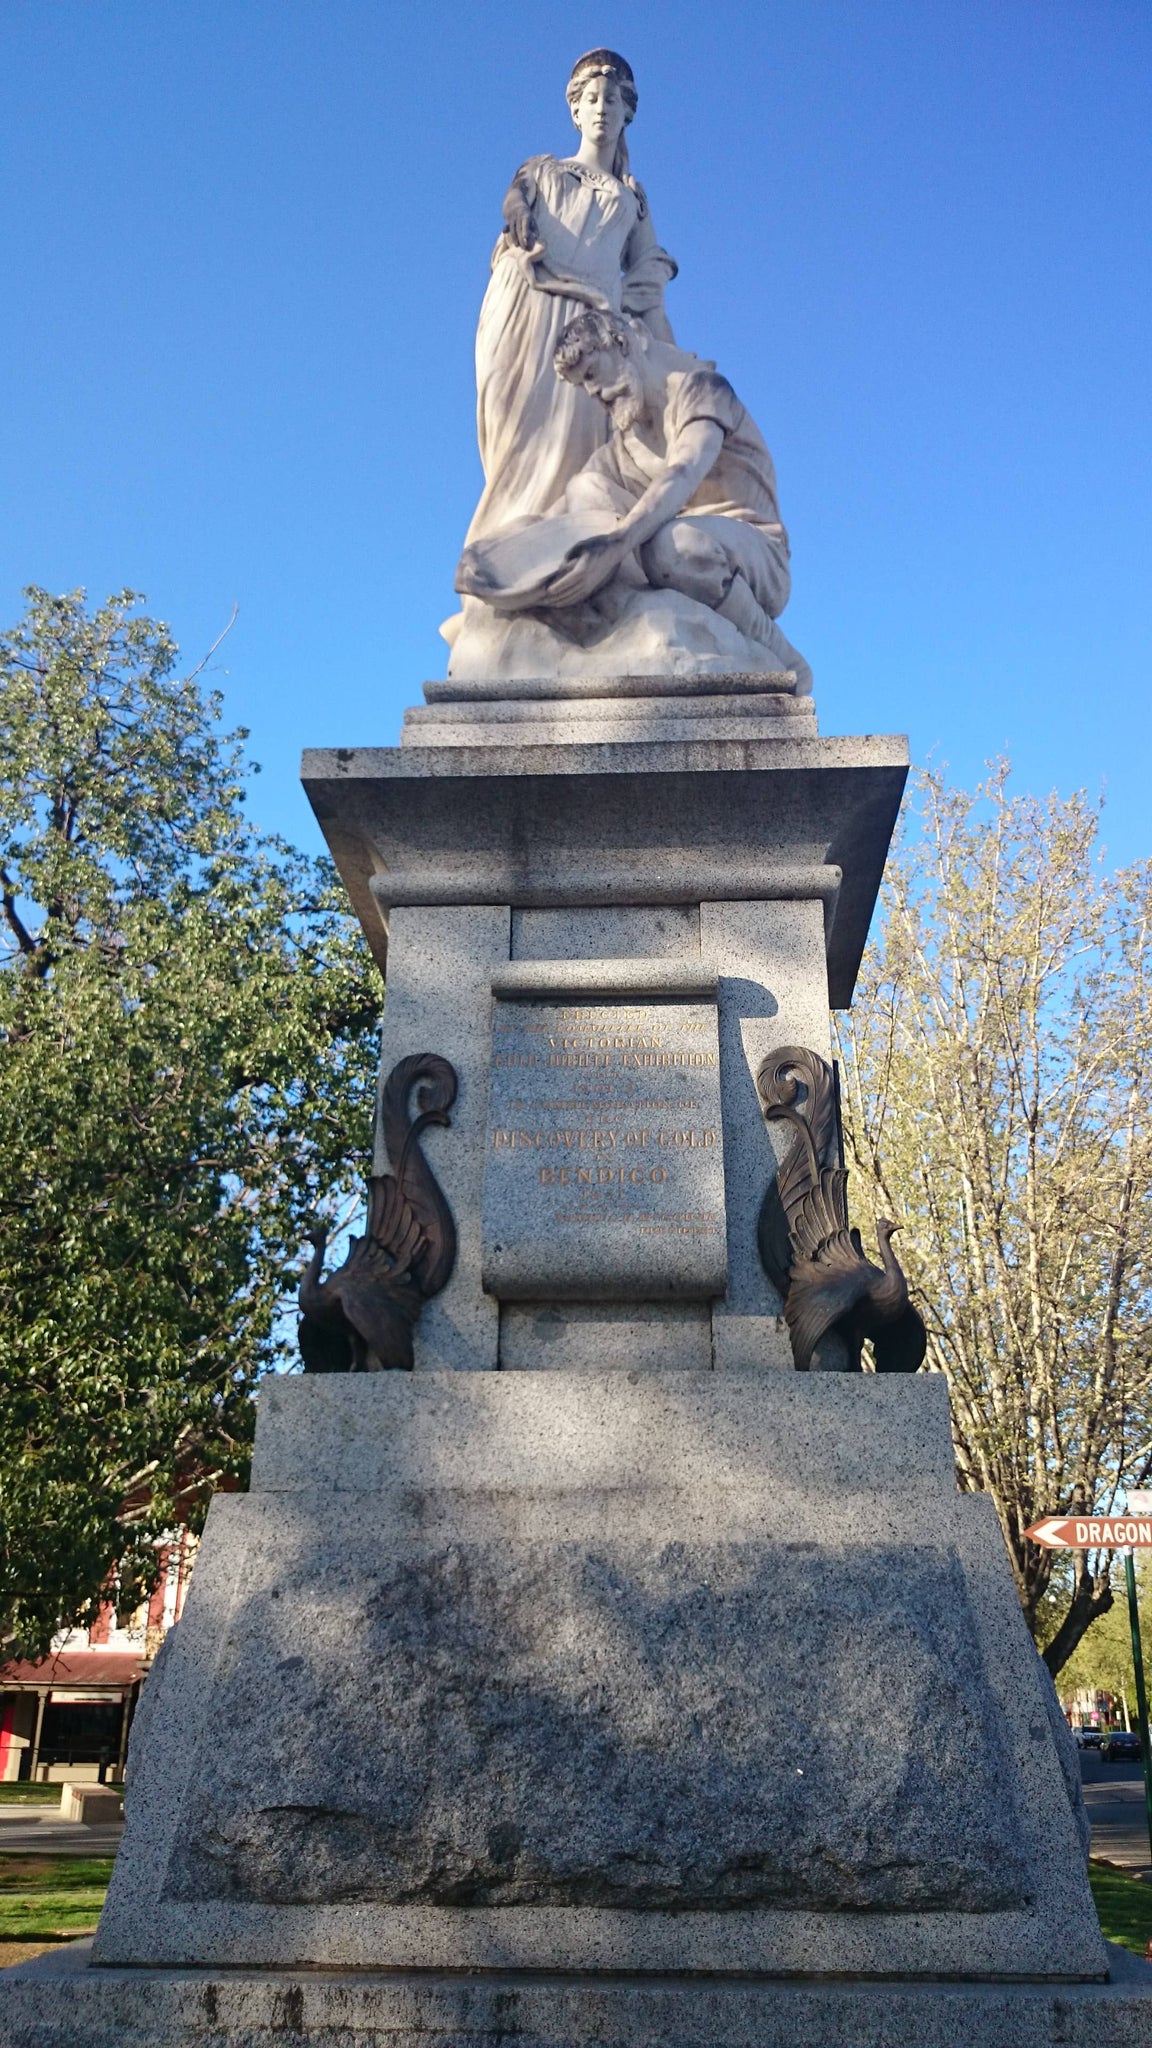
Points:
1088	1738
1118	1747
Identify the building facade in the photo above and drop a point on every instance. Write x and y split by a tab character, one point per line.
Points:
67	1715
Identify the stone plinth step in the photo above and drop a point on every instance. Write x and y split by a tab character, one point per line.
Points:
61	2001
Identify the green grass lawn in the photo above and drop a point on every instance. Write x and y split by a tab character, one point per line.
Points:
17	1794
1123	1904
46	1896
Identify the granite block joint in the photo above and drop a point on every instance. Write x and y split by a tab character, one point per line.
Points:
523	980
541	689
495	880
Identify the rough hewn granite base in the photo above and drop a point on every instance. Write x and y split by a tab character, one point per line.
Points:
619	1672
57	2002
621	1725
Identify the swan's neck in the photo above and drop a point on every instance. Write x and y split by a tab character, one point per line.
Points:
310	1296
891	1295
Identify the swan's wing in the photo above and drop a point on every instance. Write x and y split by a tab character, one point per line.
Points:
380	1280
395	1236
821	1217
821	1291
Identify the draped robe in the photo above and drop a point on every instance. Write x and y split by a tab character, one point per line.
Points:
600	249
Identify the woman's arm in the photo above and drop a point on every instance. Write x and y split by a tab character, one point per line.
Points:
647	269
519	201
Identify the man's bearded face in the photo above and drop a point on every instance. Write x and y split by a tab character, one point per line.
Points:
611	376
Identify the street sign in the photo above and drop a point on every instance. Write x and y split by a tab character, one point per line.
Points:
1093	1532
1113	1532
1139	1501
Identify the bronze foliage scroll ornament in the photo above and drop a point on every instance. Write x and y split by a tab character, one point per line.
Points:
361	1318
810	1253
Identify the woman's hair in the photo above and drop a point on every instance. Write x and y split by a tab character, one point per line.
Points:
609	64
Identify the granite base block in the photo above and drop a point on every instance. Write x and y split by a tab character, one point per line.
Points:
549	689
552	732
652	1672
750	1343
754	715
60	2002
631	1436
608	932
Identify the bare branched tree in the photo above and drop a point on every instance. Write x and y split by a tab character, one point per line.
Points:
997	1072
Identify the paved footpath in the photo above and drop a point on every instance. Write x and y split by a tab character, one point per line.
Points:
1114	1797
39	1831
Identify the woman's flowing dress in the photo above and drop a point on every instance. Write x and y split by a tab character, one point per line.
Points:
536	430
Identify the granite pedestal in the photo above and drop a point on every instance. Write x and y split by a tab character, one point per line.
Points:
603	1680
649	842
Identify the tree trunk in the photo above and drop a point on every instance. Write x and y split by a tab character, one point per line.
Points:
1091	1597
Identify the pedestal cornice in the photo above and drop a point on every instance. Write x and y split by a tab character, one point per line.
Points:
666	822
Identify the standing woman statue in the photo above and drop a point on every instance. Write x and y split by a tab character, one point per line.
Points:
578	234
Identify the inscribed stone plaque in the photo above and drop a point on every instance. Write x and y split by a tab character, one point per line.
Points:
604	1171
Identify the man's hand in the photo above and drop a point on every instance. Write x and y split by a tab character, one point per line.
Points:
588	565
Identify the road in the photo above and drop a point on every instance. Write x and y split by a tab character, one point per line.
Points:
1114	1796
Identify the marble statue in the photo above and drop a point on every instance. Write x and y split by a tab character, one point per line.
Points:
578	233
629	522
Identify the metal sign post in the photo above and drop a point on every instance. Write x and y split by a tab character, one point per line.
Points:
1141	1695
1128	1532
1139	1503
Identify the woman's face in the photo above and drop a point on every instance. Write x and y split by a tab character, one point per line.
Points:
600	113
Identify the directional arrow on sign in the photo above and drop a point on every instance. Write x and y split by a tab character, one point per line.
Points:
1052	1533
1093	1532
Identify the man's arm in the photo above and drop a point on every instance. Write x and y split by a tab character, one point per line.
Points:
591	562
690	458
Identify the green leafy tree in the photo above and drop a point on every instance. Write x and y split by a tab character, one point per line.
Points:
997	1074
187	1017
1102	1659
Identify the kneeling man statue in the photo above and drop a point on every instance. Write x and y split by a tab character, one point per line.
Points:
681	499
687	473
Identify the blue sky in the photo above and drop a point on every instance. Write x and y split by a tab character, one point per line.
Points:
246	242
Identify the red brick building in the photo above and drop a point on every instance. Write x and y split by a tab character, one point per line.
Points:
68	1715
